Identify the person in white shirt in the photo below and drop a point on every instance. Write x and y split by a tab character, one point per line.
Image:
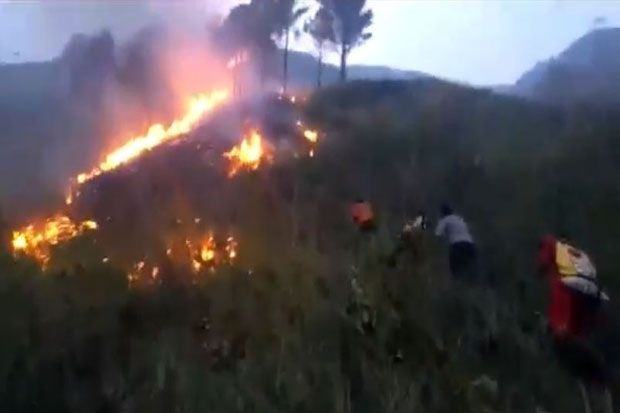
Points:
454	229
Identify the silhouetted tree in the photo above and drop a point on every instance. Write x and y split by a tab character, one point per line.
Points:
352	20
321	29
286	14
250	28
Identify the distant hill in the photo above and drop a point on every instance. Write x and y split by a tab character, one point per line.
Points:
303	72
587	71
29	83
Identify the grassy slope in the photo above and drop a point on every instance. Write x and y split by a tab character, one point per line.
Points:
285	338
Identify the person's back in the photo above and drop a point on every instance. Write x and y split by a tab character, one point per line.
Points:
454	229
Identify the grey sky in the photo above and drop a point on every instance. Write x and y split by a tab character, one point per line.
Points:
476	41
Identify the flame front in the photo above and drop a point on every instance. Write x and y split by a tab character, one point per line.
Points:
248	154
36	240
157	134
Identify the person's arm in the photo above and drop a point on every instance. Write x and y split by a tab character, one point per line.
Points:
440	229
546	255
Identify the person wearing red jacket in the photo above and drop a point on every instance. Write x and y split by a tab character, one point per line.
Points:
572	317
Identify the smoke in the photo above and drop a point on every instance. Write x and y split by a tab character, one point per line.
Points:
100	94
154	76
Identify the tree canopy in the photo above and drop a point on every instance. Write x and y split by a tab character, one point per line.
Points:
321	28
352	21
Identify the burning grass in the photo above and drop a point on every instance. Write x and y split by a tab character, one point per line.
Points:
205	253
196	251
157	134
249	154
36	240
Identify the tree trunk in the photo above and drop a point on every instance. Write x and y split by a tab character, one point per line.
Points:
343	63
319	74
285	68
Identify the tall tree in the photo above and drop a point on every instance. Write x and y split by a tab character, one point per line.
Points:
249	29
286	14
352	20
321	28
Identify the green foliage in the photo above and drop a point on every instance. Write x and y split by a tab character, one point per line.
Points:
321	28
351	22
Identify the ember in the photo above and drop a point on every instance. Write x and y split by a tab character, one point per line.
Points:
143	273
311	135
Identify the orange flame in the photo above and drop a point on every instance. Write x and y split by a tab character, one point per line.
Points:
157	134
248	154
207	250
36	240
208	254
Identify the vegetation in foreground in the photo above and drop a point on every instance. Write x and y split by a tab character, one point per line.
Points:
287	328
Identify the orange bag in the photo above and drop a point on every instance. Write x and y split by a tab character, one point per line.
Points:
362	214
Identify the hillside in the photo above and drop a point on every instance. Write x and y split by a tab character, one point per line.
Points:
50	111
303	72
310	317
587	71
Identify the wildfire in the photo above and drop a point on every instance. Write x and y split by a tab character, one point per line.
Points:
157	134
248	154
36	240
